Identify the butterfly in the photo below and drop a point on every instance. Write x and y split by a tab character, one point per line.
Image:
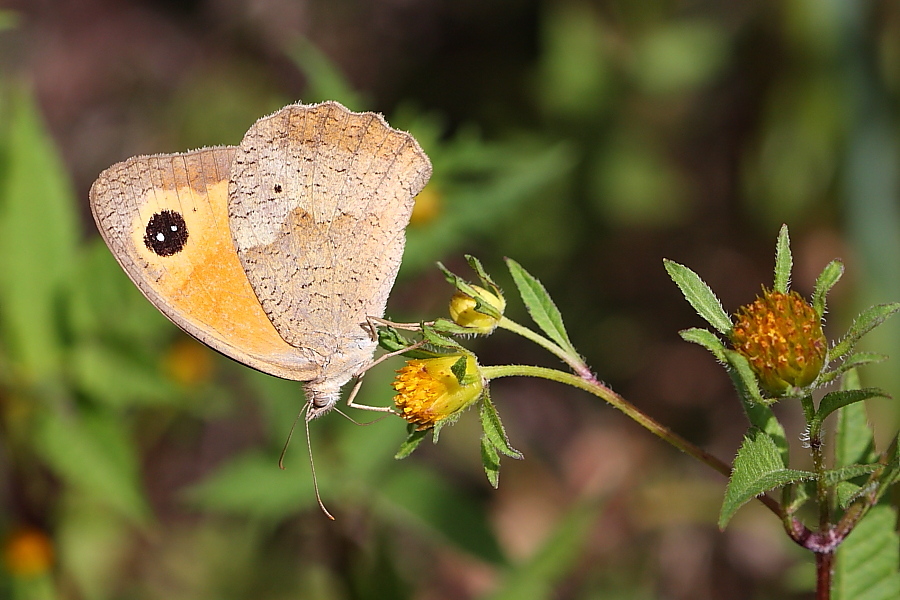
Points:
276	252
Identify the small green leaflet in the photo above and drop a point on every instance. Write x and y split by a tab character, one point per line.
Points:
826	280
541	308
707	339
867	320
783	261
494	441
413	439
700	296
834	400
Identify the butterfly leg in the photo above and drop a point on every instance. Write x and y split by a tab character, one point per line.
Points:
359	377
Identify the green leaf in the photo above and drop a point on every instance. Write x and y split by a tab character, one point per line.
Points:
39	229
9	19
535	577
854	442
700	296
758	468
494	431
490	458
413	439
253	485
857	359
868	561
707	339
867	320
91	453
891	472
755	406
744	378
847	493
835	476
826	280
416	497
541	308
783	261
324	80
835	400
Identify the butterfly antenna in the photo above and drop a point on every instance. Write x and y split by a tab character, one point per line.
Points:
312	467
290	435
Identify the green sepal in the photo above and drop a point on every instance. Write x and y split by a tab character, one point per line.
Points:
783	261
414	437
758	468
466	288
435	339
476	266
829	276
540	306
865	322
443	326
700	296
459	370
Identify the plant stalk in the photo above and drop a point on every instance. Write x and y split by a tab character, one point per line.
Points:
596	388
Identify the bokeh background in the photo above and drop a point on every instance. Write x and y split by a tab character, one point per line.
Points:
585	139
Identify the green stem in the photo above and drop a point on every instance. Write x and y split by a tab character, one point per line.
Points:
573	361
818	456
601	391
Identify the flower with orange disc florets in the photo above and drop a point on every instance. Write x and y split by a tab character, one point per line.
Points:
781	337
431	390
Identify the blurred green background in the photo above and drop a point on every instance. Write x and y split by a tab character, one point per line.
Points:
587	140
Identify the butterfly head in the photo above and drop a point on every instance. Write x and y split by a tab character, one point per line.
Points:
321	396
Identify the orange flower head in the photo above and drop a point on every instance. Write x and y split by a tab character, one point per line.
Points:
433	389
28	553
781	337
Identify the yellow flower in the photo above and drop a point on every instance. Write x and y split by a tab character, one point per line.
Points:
188	362
432	389
427	207
781	337
464	313
28	553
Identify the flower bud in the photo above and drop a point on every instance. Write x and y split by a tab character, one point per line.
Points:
464	310
781	337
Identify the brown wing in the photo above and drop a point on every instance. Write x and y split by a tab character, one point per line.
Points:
165	219
318	204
